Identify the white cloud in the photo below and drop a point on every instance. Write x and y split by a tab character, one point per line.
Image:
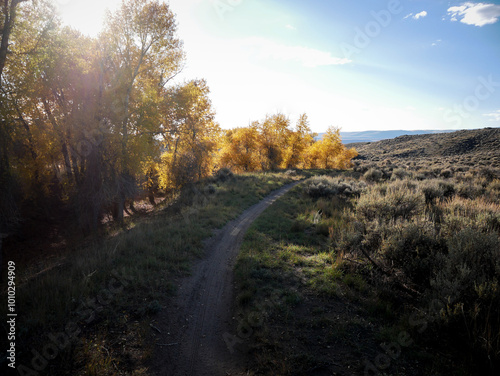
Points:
308	57
420	15
416	16
479	14
290	27
494	116
435	43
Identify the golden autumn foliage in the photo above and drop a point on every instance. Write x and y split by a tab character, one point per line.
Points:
272	144
87	125
329	152
240	150
190	135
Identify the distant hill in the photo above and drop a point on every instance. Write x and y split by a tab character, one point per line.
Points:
484	143
371	136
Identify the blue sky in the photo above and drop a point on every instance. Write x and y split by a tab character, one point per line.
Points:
358	65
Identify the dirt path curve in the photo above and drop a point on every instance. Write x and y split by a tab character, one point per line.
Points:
192	326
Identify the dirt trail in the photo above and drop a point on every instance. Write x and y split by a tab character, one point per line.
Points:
192	326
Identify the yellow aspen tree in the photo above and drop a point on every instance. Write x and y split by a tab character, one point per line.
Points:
240	149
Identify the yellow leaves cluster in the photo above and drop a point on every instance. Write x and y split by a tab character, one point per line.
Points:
272	144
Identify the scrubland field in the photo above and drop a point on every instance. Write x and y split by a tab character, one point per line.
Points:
391	268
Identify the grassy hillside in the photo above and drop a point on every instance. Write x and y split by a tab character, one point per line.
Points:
468	147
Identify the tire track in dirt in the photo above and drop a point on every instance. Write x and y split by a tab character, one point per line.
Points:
193	325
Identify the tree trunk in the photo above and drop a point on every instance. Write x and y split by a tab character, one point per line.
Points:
117	211
64	147
8	24
4	156
151	198
76	171
132	207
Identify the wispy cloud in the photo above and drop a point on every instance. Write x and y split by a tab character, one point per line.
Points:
479	14
416	16
308	57
494	116
436	42
291	27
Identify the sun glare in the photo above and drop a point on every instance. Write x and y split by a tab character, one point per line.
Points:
86	16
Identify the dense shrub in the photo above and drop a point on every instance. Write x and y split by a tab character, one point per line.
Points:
361	166
223	174
320	186
446	173
413	248
396	201
399	173
494	185
478	214
468	282
210	189
487	173
373	175
469	190
437	189
427	173
326	186
493	191
435	227
350	240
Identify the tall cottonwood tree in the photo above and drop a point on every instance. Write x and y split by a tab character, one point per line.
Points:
274	135
24	27
191	135
8	207
142	51
9	9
